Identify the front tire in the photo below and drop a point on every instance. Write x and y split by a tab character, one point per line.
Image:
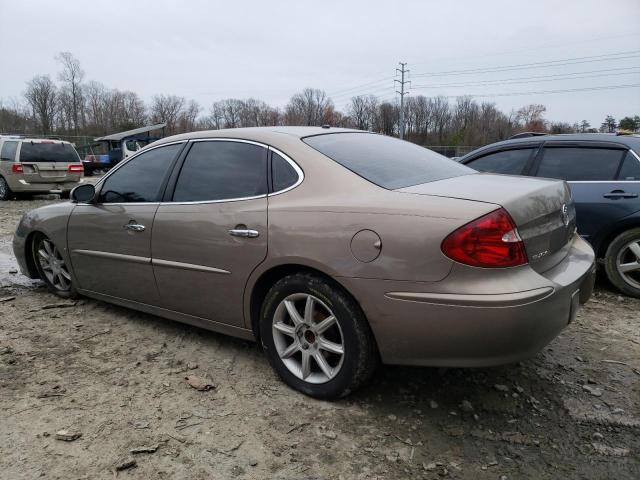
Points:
622	262
52	267
316	337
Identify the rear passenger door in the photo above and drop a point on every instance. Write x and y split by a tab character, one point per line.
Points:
601	198
211	230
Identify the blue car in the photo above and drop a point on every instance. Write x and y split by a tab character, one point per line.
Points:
603	171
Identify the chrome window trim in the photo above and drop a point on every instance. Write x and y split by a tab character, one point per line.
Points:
635	155
295	166
255	197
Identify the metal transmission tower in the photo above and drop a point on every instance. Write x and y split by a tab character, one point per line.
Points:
402	93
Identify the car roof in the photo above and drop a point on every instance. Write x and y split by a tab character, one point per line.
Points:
19	138
631	141
267	135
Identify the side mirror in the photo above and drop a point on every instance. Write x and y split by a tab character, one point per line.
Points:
83	193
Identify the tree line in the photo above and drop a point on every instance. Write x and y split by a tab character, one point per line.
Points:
75	107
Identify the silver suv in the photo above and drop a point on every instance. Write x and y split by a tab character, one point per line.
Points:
37	165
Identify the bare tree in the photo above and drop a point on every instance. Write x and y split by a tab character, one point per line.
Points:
309	107
72	76
14	117
42	96
530	117
188	117
166	108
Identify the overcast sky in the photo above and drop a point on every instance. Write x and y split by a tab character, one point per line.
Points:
209	50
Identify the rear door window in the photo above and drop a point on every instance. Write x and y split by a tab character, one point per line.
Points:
630	168
141	178
222	170
48	152
387	162
580	164
509	162
8	152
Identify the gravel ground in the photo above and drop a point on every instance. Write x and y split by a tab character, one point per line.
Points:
117	378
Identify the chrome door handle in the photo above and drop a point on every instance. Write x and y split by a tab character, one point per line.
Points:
134	227
243	232
620	194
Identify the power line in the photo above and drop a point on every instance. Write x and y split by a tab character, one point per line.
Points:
546	64
528	48
546	92
340	93
534	79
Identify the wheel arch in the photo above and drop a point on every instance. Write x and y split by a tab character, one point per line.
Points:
28	254
604	240
271	275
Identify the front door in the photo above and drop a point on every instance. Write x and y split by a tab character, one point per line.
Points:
212	233
110	240
601	197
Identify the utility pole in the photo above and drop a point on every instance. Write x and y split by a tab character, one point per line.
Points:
402	93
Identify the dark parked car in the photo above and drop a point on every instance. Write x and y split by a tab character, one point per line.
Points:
604	174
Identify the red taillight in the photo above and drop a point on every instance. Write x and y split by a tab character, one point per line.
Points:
75	168
17	168
491	241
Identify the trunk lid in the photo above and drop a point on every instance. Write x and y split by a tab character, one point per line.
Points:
542	209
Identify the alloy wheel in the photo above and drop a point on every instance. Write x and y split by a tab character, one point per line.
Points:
53	265
308	338
628	263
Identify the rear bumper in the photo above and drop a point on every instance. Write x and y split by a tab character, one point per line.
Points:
50	187
415	326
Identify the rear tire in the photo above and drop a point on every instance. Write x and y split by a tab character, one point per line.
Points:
332	334
52	267
622	262
5	191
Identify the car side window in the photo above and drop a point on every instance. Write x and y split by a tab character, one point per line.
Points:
221	170
579	164
510	162
140	179
283	175
8	152
630	168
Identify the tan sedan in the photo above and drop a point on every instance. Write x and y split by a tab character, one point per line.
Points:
334	248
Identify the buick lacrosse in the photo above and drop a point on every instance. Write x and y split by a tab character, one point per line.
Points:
335	249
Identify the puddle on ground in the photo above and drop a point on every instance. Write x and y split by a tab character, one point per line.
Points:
8	263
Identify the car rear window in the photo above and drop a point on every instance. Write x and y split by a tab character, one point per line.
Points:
48	152
388	162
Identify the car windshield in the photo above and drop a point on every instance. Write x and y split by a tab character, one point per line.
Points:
48	152
388	162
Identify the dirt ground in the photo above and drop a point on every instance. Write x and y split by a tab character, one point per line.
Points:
117	377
